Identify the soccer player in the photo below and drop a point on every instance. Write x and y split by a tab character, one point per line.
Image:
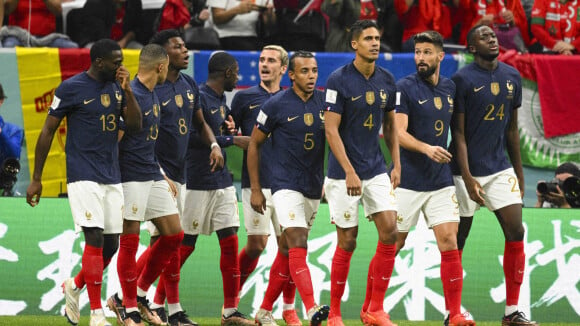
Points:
424	107
359	97
210	199
245	108
180	111
147	198
294	121
93	102
484	127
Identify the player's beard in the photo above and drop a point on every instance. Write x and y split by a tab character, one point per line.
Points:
426	73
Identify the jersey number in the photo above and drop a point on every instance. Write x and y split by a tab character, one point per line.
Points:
182	126
439	127
109	122
490	116
153	132
369	122
308	141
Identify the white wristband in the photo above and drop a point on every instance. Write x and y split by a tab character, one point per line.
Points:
214	144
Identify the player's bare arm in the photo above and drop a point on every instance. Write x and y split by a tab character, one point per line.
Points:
331	123
391	139
242	141
458	133
435	153
132	113
513	149
40	153
257	199
216	159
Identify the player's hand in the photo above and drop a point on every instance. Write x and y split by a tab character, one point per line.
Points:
216	159
231	125
395	178
475	190
557	198
258	201
33	193
123	77
246	6
508	16
353	184
486	20
439	154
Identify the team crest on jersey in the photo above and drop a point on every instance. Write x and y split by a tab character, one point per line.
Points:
347	216
510	88
156	110
105	100
383	95
223	112
494	88
179	100
308	119
256	221
88	215
291	216
370	97
191	99
195	224
119	98
321	115
134	209
437	102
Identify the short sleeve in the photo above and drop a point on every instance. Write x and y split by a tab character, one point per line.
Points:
333	97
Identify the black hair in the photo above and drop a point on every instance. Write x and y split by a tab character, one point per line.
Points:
103	49
471	34
152	54
359	26
432	37
298	54
568	167
220	61
163	36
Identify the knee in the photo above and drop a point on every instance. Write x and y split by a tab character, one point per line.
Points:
388	236
256	246
347	244
448	242
400	244
515	233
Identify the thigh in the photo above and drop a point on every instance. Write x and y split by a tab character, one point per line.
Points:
343	208
113	208
225	211
378	195
441	207
86	199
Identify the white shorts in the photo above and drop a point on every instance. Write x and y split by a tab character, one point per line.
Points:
256	223
180	200
147	200
438	207
95	205
501	189
294	210
206	211
377	196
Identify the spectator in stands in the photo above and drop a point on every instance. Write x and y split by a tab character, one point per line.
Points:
299	25
420	16
119	20
33	23
550	194
236	22
182	15
11	137
506	17
559	36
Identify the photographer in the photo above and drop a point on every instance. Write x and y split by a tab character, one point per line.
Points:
550	194
11	137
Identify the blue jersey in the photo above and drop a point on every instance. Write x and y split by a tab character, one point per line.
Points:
199	175
92	110
245	107
296	129
429	109
137	149
361	104
179	101
487	99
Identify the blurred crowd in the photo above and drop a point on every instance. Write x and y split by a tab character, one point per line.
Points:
535	26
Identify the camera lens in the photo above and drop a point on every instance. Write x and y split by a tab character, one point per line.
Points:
547	187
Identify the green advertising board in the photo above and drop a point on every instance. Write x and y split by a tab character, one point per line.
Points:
39	249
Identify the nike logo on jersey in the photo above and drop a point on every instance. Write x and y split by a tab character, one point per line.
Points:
292	118
254	106
422	101
214	111
85	102
166	102
147	113
477	89
355	98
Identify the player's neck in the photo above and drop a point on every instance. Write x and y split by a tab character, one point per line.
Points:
148	79
365	67
271	86
301	94
172	75
486	64
216	85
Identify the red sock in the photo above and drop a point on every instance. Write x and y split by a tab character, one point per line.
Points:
184	253
80	278
301	275
383	268
142	260
514	264
161	252
126	268
170	276
338	277
247	266
369	292
93	274
230	270
452	279
289	291
279	276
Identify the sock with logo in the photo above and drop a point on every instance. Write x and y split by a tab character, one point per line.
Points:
126	268
514	264
93	274
230	270
369	291
382	274
452	279
161	252
184	253
301	275
279	277
338	277
79	280
247	266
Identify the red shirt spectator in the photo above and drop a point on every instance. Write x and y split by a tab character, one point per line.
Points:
555	24
43	20
420	16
